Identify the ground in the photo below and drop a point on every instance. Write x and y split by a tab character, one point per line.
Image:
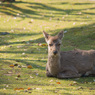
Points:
23	50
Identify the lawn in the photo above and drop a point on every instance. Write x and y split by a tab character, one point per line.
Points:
23	50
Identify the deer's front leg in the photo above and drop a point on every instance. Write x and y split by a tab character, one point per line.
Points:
47	72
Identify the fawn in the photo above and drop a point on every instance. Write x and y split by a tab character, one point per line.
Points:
69	64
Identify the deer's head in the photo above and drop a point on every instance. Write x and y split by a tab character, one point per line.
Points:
54	43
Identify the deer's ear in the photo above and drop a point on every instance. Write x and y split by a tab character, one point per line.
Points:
46	35
60	34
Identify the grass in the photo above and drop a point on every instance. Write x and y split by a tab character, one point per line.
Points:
24	21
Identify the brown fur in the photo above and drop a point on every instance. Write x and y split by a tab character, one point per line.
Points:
69	64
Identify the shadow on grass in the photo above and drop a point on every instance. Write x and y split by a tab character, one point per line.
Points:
83	3
5	8
3	93
5	36
31	11
25	62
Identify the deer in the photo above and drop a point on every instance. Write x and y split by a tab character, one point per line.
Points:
67	64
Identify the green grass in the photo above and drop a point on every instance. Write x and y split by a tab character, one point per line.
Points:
25	20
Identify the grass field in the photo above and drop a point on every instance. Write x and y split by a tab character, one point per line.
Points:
22	56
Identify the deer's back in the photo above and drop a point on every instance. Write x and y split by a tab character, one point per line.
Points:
82	60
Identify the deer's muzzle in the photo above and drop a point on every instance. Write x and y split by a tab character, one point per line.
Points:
55	52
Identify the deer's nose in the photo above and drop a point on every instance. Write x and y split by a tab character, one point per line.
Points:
54	52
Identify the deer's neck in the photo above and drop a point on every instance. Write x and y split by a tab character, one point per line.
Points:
54	64
54	59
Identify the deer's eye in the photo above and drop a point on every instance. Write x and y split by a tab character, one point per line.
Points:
58	44
50	44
